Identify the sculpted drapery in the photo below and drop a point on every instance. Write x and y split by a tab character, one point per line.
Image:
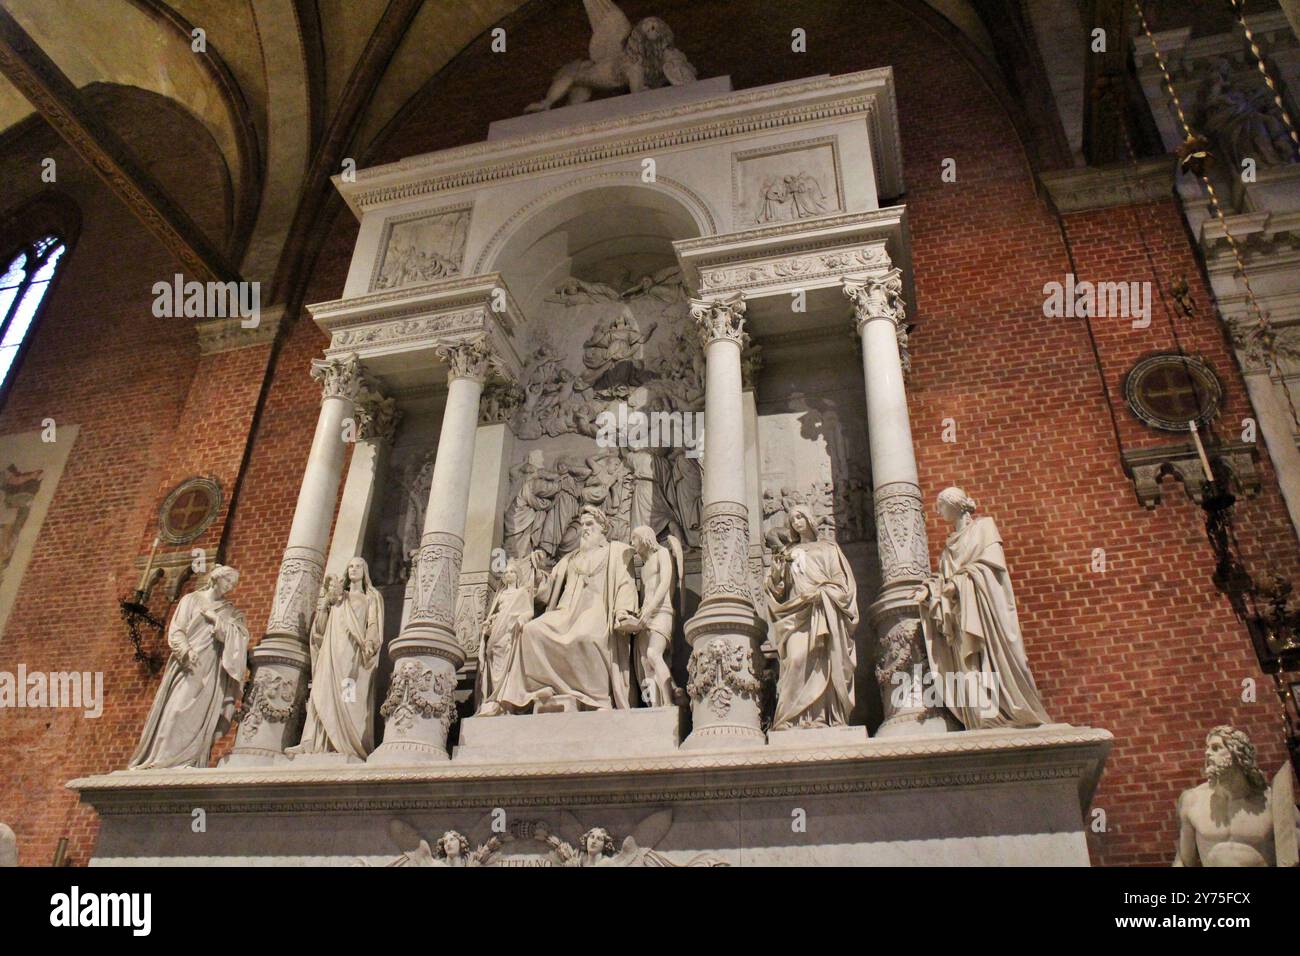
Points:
972	632
813	602
525	518
571	652
510	610
204	677
346	635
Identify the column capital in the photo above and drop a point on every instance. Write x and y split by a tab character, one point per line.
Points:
1256	344
876	297
341	377
880	297
469	358
377	417
720	320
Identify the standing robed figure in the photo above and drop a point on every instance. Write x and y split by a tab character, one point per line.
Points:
972	631
346	635
204	677
813	602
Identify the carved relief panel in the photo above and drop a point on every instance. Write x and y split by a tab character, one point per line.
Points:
421	247
610	410
786	182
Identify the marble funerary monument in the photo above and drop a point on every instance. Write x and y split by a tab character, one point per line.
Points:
616	576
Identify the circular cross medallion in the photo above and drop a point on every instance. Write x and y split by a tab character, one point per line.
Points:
1168	390
189	510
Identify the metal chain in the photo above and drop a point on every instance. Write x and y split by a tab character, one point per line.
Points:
1264	327
1239	7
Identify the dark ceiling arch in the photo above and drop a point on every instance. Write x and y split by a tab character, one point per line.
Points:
247	141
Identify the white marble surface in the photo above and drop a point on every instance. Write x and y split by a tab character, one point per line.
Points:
596	734
961	799
607	108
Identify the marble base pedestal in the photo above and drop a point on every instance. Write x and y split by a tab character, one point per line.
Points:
979	798
325	760
582	735
815	737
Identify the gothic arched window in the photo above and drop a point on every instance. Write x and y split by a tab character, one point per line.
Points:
25	280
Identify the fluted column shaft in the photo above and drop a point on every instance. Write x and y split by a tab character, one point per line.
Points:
879	313
725	631
281	662
419	708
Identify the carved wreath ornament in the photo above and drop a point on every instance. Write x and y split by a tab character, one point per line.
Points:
719	671
418	691
270	697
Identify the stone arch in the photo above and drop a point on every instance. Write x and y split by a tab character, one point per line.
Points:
562	202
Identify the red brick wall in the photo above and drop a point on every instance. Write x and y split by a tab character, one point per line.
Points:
1147	650
99	359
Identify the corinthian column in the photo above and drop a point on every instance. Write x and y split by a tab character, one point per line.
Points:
901	666
281	662
377	419
725	632
420	708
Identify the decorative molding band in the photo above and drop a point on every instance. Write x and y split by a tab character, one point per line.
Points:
1052	753
1119	184
1257	234
407	331
823	265
751	112
1188	58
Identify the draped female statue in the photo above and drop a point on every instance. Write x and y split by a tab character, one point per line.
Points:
813	602
972	633
204	677
511	609
346	635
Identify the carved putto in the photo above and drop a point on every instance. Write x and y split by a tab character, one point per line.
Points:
535	843
621	57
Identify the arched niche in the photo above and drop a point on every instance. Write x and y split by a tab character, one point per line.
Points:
595	230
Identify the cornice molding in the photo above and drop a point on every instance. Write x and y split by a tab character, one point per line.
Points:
424	318
1101	187
229	334
1052	753
869	93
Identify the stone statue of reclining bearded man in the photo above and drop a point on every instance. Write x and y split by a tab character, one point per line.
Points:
571	657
